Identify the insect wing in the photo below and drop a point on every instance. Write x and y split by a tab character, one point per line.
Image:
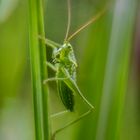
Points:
66	95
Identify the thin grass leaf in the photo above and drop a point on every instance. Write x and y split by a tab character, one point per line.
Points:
38	70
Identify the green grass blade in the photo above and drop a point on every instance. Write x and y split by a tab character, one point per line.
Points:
38	69
107	72
116	73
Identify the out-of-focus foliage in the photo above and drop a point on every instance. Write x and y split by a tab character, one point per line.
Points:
15	101
6	8
108	73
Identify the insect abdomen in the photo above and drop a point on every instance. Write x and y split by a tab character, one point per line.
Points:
66	95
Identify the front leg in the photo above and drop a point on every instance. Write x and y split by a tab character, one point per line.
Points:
50	43
54	79
51	66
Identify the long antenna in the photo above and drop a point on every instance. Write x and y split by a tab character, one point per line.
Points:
93	19
69	20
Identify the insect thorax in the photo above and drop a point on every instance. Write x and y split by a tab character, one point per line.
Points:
64	57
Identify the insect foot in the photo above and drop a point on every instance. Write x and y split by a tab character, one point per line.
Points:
53	136
41	37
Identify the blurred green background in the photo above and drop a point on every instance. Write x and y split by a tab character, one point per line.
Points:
108	69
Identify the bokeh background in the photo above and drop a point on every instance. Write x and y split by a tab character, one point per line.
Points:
108	74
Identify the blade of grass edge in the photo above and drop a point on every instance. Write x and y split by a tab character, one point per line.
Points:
38	70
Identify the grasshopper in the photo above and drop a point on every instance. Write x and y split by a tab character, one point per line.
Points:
64	64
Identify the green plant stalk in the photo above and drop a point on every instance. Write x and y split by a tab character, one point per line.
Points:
108	67
38	70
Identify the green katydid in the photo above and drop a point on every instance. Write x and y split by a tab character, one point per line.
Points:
64	64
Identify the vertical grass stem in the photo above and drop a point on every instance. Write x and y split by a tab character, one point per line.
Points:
38	70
